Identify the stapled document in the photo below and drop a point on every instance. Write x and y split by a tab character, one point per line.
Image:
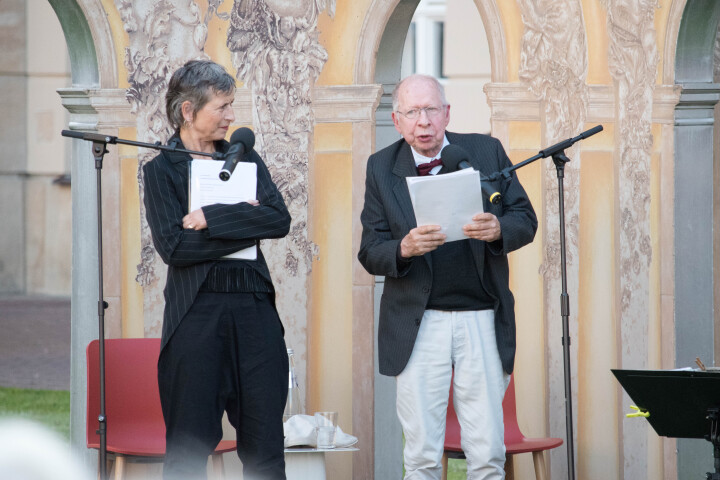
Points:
206	188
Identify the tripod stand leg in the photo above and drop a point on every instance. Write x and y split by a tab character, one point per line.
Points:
714	438
560	159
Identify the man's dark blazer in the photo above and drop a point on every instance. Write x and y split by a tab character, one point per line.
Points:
190	254
388	216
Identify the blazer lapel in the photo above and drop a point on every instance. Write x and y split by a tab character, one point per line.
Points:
405	167
180	163
461	141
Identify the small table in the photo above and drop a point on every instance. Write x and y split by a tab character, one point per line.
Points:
302	463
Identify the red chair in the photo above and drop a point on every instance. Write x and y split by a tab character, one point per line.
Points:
135	425
515	441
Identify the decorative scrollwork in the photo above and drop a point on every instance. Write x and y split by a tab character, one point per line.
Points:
633	60
553	62
277	54
163	35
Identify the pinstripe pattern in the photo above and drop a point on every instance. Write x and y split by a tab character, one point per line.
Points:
387	217
190	254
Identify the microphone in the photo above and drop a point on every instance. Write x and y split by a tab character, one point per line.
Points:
559	147
242	141
455	157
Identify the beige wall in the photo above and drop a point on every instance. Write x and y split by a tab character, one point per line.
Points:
37	241
48	208
466	74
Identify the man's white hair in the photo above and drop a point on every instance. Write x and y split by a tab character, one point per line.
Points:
417	76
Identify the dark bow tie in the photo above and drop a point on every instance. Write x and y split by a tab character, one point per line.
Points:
424	168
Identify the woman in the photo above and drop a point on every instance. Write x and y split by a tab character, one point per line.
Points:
222	340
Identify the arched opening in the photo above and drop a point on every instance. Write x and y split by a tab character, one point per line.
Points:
696	174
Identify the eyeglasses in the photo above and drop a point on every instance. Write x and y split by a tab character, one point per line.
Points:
414	113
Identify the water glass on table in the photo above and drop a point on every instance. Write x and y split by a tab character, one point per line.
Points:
326	422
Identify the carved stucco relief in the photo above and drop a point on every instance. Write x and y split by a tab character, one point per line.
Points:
275	49
163	35
633	62
553	63
716	56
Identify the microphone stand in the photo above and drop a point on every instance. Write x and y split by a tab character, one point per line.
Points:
99	149
557	152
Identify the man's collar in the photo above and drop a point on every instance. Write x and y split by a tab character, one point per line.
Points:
423	159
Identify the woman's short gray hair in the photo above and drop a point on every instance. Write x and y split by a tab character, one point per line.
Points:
196	81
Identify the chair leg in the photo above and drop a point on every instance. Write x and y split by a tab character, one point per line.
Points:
509	470
539	462
119	467
109	465
444	466
218	470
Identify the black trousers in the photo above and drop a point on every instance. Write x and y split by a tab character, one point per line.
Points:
228	354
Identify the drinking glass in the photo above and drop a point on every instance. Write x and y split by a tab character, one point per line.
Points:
326	422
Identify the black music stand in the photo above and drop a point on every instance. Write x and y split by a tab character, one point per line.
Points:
681	403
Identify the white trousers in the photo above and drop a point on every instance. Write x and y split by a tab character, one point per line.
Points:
465	341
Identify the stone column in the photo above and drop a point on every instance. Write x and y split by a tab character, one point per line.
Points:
85	262
633	60
695	278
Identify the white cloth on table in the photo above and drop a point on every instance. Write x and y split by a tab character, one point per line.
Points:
300	431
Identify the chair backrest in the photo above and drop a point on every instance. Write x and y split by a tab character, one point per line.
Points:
132	402
512	430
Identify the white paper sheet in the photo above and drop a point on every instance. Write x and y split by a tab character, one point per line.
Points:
206	188
449	200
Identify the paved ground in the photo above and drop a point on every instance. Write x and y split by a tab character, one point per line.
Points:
35	342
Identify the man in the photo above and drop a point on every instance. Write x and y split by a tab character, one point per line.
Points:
446	306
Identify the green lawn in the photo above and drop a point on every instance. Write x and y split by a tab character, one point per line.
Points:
457	469
48	407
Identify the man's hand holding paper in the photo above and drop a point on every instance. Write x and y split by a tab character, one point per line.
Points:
454	202
421	240
485	226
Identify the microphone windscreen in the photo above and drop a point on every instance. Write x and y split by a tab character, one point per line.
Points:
592	131
245	136
452	155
